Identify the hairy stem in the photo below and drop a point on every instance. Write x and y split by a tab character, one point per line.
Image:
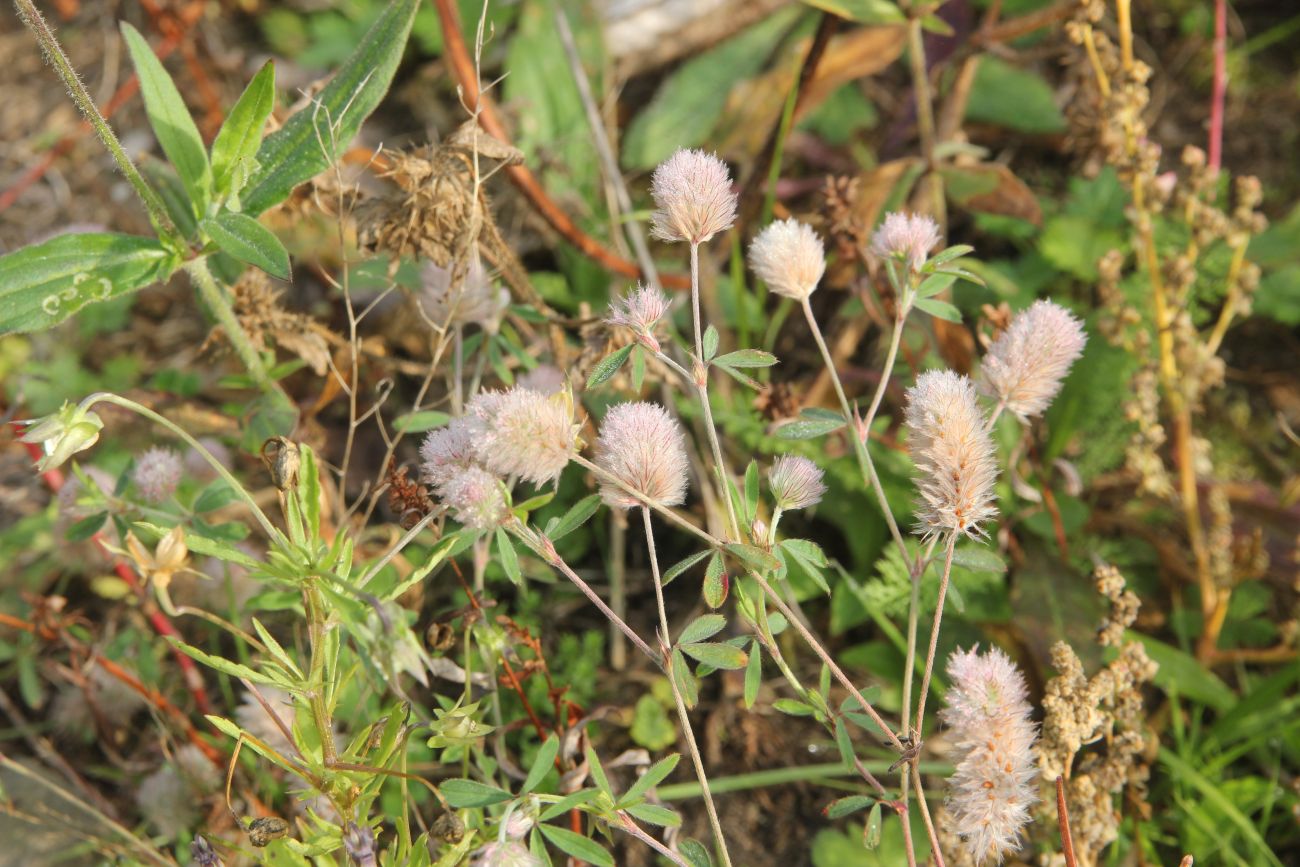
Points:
28	12
666	638
934	635
217	301
859	445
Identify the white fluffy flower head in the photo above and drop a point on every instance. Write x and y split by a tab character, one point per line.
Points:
692	192
640	311
642	446
907	237
504	853
1026	364
475	497
789	257
953	453
157	473
992	788
524	433
472	299
796	482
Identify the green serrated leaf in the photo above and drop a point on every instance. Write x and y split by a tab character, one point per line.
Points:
44	284
702	627
608	366
314	137
577	846
171	120
471	793
248	241
241	133
717	655
542	764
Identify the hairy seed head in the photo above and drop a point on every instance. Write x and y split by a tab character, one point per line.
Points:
953	453
796	482
157	473
1025	366
642	446
992	788
789	257
692	191
907	237
524	433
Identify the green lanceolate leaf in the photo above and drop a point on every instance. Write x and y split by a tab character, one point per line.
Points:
753	557
316	135
746	358
509	559
716	655
248	241
235	147
542	764
809	426
171	120
654	775
580	847
705	626
685	563
578	515
710	343
471	793
939	309
44	284
683	678
842	807
608	366
715	582
753	675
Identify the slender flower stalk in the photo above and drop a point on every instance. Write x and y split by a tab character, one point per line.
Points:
683	716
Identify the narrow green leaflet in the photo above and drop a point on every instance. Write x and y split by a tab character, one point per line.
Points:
248	241
746	358
597	772
871	832
509	559
471	793
709	343
655	815
938	309
541	765
755	558
578	515
683	678
705	626
608	366
810	425
810	558
935	283
842	807
225	666
315	136
654	775
751	492
567	803
753	675
171	120
682	565
44	284
715	582
978	558
716	655
578	846
419	422
695	852
235	147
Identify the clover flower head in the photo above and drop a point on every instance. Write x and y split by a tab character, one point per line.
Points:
1025	366
789	257
524	433
475	497
545	379
504	853
448	451
471	298
906	237
640	311
953	453
692	193
992	786
796	482
642	446
157	473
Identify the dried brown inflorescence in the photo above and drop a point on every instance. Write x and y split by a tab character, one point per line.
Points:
1093	733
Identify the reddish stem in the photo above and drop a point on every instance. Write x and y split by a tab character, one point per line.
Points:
1217	98
193	680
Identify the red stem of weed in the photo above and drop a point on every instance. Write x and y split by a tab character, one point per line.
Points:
1219	94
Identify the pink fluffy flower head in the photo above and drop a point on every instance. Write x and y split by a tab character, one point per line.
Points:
475	498
157	473
504	853
640	311
992	788
789	257
1025	366
642	446
796	482
524	433
448	451
907	237
449	465
953	452
692	192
